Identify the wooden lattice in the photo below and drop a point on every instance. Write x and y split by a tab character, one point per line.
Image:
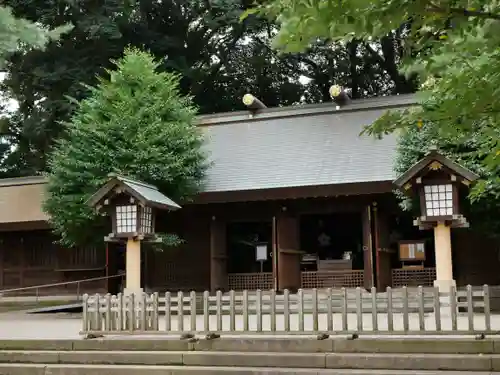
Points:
332	279
250	281
413	277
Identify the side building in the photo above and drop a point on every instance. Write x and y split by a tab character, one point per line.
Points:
285	184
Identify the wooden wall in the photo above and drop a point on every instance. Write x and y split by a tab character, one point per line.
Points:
29	258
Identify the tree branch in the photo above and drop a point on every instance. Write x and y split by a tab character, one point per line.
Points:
463	12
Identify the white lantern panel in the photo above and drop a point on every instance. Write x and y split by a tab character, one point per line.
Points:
147	220
126	219
439	200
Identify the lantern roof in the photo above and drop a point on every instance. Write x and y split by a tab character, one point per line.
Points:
146	194
425	164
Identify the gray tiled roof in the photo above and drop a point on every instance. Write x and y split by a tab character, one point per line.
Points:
149	192
301	146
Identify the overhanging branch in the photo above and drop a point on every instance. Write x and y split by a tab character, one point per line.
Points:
463	12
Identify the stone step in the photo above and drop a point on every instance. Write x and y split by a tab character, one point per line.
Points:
65	369
303	344
333	361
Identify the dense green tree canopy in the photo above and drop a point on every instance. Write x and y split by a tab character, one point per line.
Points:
451	45
20	34
218	57
137	124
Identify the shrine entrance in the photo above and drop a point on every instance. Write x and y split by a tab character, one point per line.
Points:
333	250
249	255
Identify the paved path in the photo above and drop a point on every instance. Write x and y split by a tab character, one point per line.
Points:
52	326
67	326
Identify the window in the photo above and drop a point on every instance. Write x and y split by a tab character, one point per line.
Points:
439	200
126	219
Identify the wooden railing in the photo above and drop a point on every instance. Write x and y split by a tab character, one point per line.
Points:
250	281
403	311
332	279
413	277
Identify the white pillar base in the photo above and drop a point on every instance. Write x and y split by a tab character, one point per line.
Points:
137	291
444	287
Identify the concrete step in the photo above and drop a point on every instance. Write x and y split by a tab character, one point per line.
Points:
64	369
334	361
304	344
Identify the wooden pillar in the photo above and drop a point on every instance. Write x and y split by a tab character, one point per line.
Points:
288	246
218	255
3	248
382	252
367	248
22	261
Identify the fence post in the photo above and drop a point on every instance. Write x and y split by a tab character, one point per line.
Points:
232	311
143	311
218	308
286	309
437	308
155	316
359	309
453	307
85	313
374	309
132	321
245	311
168	312
329	310
487	309
345	323
300	306
193	302
315	310
259	310
470	308
98	318
390	316
206	311
273	310
180	311
421	308
107	312
406	317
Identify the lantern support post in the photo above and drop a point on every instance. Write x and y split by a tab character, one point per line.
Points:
444	261
133	267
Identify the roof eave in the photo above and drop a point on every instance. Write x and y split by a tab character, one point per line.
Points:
434	156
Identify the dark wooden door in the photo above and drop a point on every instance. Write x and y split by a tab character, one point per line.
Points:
383	253
367	248
288	253
218	256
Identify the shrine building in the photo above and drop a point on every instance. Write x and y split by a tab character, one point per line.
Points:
295	198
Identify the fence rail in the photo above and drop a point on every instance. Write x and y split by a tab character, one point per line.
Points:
400	311
77	290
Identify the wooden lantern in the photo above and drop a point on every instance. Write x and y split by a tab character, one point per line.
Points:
132	206
437	181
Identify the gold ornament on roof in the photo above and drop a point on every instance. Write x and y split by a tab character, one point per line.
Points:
435	166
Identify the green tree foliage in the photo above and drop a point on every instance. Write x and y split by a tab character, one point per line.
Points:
136	123
452	45
20	34
218	57
414	143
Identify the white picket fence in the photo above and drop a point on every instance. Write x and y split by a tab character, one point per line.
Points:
399	311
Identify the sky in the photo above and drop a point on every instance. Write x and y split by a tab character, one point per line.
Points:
11	104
